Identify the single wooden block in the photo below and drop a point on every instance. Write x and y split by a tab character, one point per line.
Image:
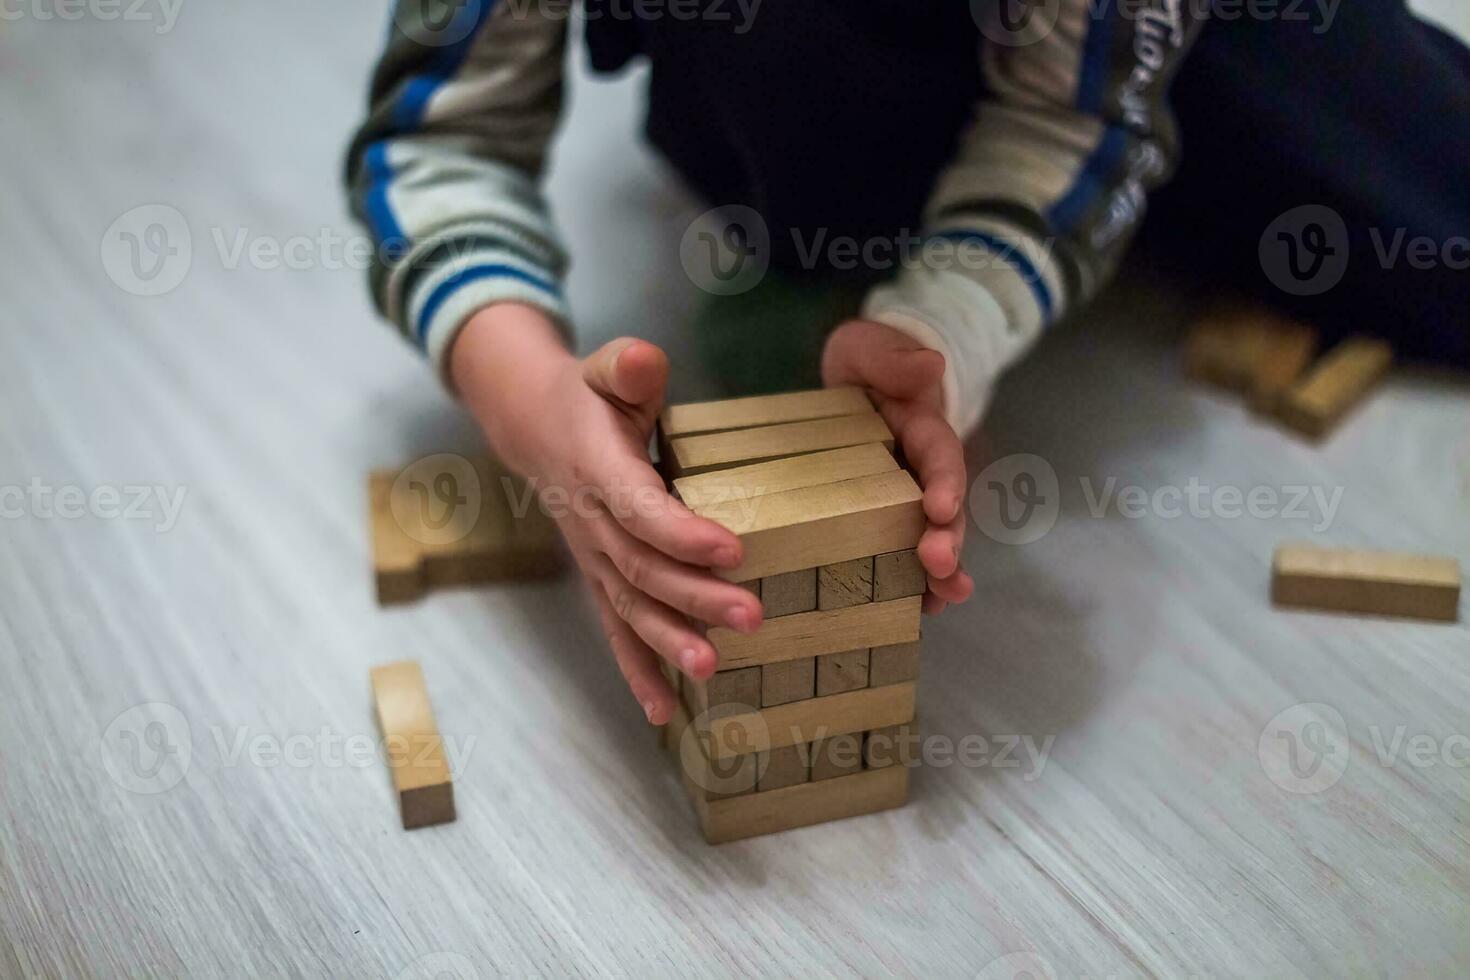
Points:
789	765
898	574
793	680
761	410
894	663
1377	582
840	755
413	745
1290	349
789	593
846	583
802	806
753	587
809	720
1227	343
1339	381
822	525
791	473
450	520
726	690
816	633
894	745
719	450
839	672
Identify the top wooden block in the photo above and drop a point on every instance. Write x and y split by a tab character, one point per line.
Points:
746	413
792	473
700	454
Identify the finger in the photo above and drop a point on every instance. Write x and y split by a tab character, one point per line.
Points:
939	547
879	357
663	629
632	373
933	605
685	588
638	664
938	459
633	492
956	589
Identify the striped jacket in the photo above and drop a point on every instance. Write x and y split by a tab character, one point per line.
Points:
1027	131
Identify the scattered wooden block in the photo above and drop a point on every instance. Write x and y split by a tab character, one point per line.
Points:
726	690
792	473
448	520
893	664
413	745
846	583
839	672
897	575
1338	382
699	454
806	721
895	745
762	410
1375	582
1226	344
840	755
791	680
1290	349
816	633
789	593
822	525
789	765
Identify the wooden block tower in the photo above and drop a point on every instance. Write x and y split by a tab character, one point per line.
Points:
811	718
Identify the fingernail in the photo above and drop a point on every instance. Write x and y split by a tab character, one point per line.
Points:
687	660
738	619
648	711
726	556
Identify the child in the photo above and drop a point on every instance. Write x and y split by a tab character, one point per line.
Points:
1019	138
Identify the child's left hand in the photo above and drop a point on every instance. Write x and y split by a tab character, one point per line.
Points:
904	380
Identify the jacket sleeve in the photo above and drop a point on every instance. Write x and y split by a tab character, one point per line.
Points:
444	171
1048	185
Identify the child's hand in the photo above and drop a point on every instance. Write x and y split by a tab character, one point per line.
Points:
580	429
904	380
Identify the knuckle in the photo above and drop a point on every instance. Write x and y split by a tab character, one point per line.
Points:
625	602
636	567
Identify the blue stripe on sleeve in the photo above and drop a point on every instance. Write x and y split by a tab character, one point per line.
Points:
1068	212
380	217
475	273
1092	75
1009	253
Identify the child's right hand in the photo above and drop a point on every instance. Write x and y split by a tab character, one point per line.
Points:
579	429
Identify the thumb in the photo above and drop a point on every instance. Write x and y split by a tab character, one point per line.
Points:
877	356
631	373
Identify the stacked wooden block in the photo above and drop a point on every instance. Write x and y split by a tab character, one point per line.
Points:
807	719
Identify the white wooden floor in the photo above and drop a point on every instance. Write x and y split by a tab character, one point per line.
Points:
148	666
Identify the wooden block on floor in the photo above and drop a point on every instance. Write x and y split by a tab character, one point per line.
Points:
895	745
804	805
1290	349
792	473
816	633
450	520
789	593
894	663
789	765
840	755
1334	385
806	721
898	574
726	691
1227	344
720	450
839	672
761	410
413	745
791	680
846	583
822	525
1375	582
